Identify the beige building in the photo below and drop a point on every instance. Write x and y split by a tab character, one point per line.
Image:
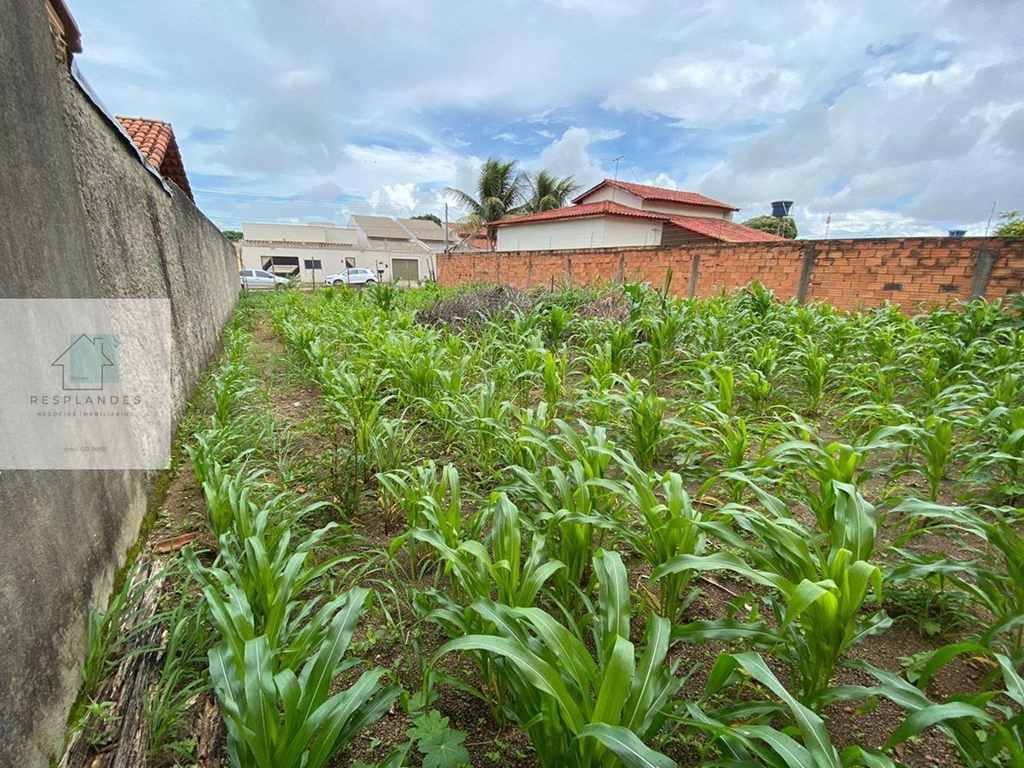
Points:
616	214
399	250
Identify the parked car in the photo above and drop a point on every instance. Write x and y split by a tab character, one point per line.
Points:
352	276
259	279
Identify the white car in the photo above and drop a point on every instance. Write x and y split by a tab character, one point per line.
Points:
352	276
259	279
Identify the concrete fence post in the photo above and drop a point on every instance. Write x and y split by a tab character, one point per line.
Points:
983	272
622	269
497	269
529	273
691	289
568	269
806	269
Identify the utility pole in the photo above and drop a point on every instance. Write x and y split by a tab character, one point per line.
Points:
446	227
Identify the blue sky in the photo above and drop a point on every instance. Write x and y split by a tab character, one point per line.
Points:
898	118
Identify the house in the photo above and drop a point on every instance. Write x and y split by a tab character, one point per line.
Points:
308	252
463	238
155	140
616	214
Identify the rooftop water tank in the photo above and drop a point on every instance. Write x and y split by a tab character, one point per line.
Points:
957	232
781	208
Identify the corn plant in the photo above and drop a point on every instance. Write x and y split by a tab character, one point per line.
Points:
742	733
814	366
986	729
577	708
643	410
662	332
430	501
568	516
280	717
817	594
493	569
994	579
670	527
999	461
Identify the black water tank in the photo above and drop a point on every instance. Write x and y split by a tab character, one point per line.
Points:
781	208
957	232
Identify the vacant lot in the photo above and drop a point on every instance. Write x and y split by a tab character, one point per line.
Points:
585	528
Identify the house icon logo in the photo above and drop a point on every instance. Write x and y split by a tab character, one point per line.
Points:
89	362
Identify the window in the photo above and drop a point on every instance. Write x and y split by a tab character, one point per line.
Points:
267	275
313	264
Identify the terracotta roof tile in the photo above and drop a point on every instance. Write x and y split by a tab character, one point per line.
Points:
720	229
155	140
659	193
717	229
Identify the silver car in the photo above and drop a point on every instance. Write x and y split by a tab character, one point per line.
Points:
352	276
260	279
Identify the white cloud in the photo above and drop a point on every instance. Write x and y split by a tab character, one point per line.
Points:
911	109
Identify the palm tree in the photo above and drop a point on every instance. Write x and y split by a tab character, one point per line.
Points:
501	191
550	192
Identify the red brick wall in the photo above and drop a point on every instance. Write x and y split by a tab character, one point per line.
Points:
846	273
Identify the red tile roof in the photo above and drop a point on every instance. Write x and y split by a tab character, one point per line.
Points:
601	208
155	140
717	229
720	229
660	193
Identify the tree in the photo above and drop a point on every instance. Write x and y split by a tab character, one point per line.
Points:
232	234
1013	226
428	217
784	227
549	192
501	191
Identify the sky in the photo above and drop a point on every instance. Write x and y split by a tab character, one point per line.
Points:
897	117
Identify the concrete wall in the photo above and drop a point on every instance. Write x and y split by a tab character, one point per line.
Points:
586	232
80	217
847	273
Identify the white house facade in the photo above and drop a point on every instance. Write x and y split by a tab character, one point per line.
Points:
309	252
617	214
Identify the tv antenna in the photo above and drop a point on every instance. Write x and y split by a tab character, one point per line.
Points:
616	161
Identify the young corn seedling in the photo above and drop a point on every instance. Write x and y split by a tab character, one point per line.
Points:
568	518
670	527
280	717
642	410
994	580
743	733
578	708
495	569
816	594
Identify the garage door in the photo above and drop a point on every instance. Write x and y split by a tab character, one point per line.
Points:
405	269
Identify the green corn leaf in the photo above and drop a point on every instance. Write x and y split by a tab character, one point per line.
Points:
934	714
811	726
539	672
625	745
792	753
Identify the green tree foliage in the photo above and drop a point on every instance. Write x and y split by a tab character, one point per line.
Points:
501	191
783	227
1012	226
550	192
428	217
232	234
